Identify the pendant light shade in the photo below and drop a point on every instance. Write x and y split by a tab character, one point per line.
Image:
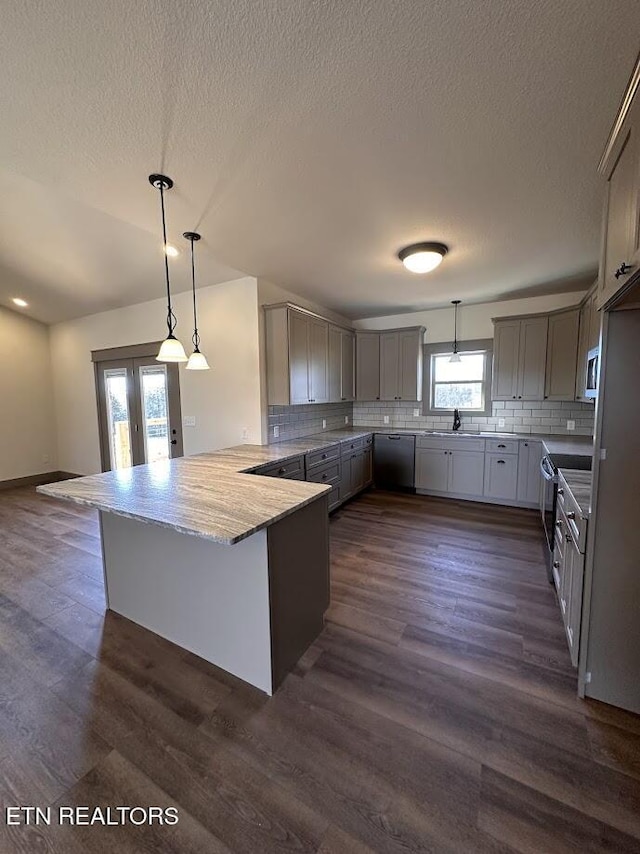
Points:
197	360
171	349
455	356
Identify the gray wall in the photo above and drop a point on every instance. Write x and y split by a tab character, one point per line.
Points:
297	421
520	416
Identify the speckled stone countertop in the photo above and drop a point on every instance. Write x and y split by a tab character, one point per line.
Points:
207	495
579	485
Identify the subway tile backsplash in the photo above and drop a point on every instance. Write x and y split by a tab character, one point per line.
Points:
297	421
519	416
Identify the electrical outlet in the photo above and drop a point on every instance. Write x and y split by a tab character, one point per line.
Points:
324	423
346	419
571	425
245	433
416	413
276	432
188	420
45	458
500	422
386	419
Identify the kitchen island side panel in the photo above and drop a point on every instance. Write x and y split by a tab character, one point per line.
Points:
210	598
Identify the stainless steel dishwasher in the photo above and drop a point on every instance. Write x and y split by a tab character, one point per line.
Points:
394	460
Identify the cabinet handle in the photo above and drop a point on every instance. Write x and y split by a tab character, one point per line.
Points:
282	470
561	491
568	537
526	444
500	462
571	515
623	270
502	446
559	524
324	456
324	476
519	397
556	564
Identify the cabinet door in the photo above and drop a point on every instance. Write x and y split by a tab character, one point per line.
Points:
596	317
574	601
347	354
389	365
367	456
358	471
432	469
367	366
584	334
501	476
621	218
562	355
466	472
532	358
410	365
506	349
318	360
335	364
529	456
299	357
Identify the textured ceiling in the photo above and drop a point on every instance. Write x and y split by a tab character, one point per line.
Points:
309	140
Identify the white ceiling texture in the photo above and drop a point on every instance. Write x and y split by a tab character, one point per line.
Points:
309	140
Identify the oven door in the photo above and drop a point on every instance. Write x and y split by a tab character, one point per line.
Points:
548	483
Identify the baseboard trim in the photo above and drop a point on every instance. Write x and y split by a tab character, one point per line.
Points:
36	479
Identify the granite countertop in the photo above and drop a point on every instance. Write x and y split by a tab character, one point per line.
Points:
207	495
582	446
579	485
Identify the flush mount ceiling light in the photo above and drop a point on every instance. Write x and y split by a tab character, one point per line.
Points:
22	303
197	360
422	257
455	356
171	349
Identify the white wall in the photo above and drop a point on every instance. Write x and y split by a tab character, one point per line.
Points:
27	424
474	321
224	400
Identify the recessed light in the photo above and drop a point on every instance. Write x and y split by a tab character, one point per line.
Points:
20	302
172	251
422	257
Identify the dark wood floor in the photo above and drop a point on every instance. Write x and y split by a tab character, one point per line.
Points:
436	712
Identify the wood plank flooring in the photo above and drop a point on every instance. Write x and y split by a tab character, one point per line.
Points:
437	711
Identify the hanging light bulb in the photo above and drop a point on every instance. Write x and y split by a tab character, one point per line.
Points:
455	356
197	360
171	349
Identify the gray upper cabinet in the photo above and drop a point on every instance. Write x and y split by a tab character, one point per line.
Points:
297	345
401	364
519	354
341	364
562	354
367	365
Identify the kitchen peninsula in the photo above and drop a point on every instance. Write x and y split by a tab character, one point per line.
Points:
229	565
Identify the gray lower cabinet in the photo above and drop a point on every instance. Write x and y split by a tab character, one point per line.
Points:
331	475
568	575
291	469
466	472
346	466
432	469
529	456
501	476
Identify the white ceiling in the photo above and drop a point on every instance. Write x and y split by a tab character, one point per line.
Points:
309	140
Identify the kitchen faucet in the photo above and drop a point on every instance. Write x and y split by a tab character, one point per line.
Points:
456	420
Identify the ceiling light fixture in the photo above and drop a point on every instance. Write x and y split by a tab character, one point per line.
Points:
20	302
422	257
171	349
197	360
455	356
171	250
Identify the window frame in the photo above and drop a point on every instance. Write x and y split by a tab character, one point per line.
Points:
482	344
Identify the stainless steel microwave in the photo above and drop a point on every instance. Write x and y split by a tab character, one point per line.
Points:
593	372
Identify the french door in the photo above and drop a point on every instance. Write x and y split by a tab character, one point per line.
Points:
138	411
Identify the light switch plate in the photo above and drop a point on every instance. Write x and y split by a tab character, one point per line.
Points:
500	422
571	425
324	423
276	432
188	420
245	433
386	419
346	419
416	413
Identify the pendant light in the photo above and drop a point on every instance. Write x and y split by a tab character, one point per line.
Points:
197	360
455	356
171	349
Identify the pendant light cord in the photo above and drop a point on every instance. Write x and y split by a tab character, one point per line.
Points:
195	337
172	321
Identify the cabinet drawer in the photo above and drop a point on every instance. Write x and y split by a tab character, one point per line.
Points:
503	446
323	456
329	474
442	443
292	468
351	445
569	511
501	476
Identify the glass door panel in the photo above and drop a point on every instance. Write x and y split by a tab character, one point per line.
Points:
154	402
118	420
